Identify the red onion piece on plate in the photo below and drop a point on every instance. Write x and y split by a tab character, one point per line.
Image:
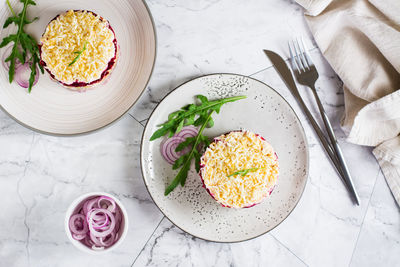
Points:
22	71
6	54
168	147
188	131
22	74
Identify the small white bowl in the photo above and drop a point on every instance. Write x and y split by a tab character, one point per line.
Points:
123	230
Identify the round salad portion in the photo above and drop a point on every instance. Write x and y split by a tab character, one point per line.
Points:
78	49
239	169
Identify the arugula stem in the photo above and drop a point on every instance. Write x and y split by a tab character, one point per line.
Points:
17	40
244	172
185	168
10	7
78	54
213	104
21	23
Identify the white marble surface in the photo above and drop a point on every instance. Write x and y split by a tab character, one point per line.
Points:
40	175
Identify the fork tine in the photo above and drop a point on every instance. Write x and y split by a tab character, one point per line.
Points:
295	65
301	55
297	57
306	54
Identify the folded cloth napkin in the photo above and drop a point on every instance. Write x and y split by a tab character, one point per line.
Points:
361	41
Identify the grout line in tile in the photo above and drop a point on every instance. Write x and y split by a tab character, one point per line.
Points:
147	241
277	240
365	214
285	59
143	122
135	119
261	70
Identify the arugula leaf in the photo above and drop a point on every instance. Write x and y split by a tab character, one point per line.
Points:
206	141
186	114
188	141
197	157
179	162
243	172
22	41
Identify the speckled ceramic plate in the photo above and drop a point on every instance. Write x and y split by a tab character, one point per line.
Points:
265	112
53	109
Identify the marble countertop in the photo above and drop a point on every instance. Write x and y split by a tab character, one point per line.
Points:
40	175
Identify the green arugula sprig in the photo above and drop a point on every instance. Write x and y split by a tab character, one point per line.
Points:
22	41
185	160
187	115
197	115
78	54
244	172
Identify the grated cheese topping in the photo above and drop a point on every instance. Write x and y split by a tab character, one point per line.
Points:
234	152
67	34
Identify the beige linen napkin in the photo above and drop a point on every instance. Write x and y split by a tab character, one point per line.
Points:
361	41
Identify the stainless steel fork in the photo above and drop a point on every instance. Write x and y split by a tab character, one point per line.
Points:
306	74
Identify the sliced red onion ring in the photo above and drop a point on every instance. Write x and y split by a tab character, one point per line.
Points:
168	146
6	53
87	241
97	217
96	232
89	204
22	74
188	131
108	240
74	227
168	149
118	220
96	223
95	239
101	224
109	203
78	237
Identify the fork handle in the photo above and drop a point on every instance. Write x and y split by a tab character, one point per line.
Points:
325	143
336	146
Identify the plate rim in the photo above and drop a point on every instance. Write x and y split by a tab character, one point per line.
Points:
116	119
301	127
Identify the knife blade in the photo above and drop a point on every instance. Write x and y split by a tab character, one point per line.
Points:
286	75
283	71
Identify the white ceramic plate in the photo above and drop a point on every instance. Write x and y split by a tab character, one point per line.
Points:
265	112
53	109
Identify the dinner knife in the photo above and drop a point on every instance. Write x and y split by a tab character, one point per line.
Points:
286	75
